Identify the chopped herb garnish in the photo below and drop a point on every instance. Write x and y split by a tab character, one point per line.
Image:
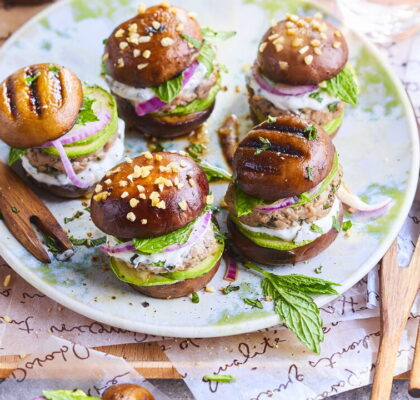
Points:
333	107
255	303
311	131
316	228
86	113
51	244
316	96
326	205
219	378
157	147
318	270
15	210
88	242
105	41
77	214
195	298
54	69
230	288
265	145
347	225
32	79
87	209
336	223
195	150
309	171
271	119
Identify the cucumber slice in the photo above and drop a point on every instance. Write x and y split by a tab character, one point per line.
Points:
93	143
271	242
128	274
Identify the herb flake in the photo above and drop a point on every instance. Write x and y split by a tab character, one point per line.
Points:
76	215
311	131
316	228
87	242
265	145
346	225
310	176
219	378
230	288
32	79
318	270
336	223
195	298
316	96
254	303
86	113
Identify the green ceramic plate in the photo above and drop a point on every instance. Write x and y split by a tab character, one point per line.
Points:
378	147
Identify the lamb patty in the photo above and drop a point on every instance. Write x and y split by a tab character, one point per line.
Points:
289	216
202	249
262	108
50	164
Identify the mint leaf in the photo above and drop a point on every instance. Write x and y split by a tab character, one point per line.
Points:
86	113
317	229
347	225
213	36
244	203
158	244
265	145
255	303
219	378
193	41
344	86
294	305
167	91
67	395
214	173
15	154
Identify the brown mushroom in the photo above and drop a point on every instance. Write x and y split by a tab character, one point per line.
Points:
127	391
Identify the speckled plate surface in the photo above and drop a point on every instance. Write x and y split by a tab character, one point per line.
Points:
378	147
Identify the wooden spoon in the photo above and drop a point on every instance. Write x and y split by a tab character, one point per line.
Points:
399	286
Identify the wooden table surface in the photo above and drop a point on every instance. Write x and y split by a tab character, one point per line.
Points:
147	358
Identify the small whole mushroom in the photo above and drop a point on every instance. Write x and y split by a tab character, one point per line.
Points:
127	391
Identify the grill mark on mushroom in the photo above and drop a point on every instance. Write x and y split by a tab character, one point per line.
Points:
284	149
10	95
273	126
34	96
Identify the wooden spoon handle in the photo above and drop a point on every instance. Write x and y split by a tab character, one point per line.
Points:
414	384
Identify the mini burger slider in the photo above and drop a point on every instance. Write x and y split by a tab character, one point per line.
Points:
162	69
161	237
282	204
301	69
66	135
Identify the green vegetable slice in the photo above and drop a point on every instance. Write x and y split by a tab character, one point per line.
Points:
67	395
333	125
344	86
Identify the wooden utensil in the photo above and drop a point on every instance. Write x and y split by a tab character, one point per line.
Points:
20	208
414	383
398	290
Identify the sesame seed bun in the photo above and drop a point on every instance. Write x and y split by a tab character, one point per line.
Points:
38	103
288	51
152	195
290	164
148	49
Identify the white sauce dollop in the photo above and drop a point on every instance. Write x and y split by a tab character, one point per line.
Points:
93	173
301	233
293	103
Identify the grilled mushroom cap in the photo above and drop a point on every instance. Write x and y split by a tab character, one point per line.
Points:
282	158
150	49
302	51
151	195
38	103
127	391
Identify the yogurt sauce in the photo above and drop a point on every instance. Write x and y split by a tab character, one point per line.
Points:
301	233
141	95
170	258
293	103
94	172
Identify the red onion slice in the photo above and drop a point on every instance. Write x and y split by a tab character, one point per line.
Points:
280	89
357	204
68	167
232	269
155	103
199	229
120	248
278	205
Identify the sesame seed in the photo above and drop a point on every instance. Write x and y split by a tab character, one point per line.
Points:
131	216
159	157
291	32
142	66
210	289
134	202
167	41
140	188
337	34
144	221
210	199
308	59
98	188
262	46
136	52
130	177
142	196
120	63
123	45
101	196
123	183
161	205
156	24
297	42
191	182
273	36
132	28
304	49
141	8
315	43
284	65
124	195
280	40
7	280
108	182
317	51
128	160
183	205
144	39
336	45
146	53
119	33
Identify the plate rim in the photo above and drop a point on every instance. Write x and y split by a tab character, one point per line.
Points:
250	325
